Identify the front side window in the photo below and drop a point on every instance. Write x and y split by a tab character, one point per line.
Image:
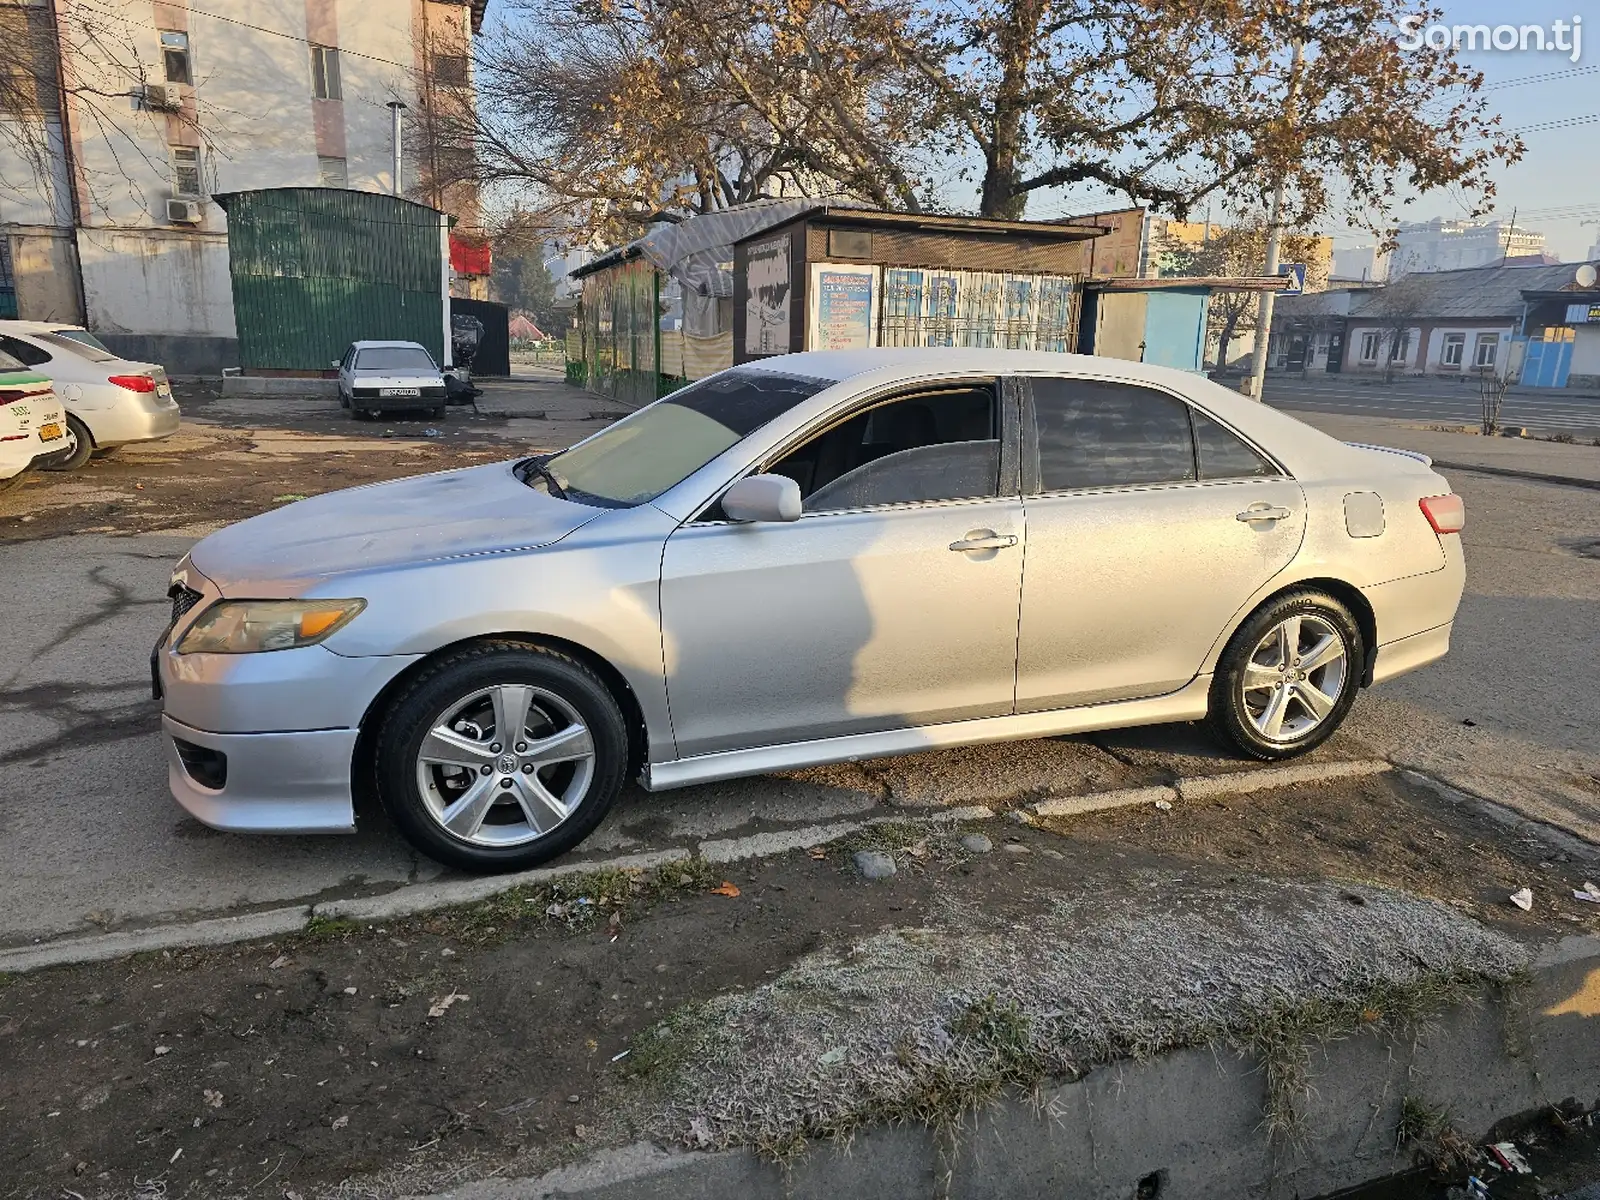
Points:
325	73
661	445
1455	345
1094	434
395	358
185	170
175	56
934	445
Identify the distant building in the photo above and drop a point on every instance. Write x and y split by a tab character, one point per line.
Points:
1532	323
1359	264
1441	245
136	116
1191	235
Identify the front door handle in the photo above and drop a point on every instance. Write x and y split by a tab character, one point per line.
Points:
1264	512
985	539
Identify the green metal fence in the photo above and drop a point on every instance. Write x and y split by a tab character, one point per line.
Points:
621	318
315	269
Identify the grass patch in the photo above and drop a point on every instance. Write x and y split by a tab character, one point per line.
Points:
1431	1133
328	929
885	835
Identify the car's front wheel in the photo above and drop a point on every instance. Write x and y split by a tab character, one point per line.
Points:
501	756
84	451
1288	676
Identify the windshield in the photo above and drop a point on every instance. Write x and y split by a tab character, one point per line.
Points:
394	358
643	455
81	342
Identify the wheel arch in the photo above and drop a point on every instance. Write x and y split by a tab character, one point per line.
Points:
616	683
1346	593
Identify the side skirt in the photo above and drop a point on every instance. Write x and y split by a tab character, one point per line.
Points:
1188	703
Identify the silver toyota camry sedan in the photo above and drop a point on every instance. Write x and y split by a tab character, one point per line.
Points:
811	559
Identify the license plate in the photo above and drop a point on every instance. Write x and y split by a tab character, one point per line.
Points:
399	391
164	390
50	432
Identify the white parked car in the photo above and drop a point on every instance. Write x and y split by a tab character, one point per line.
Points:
33	424
110	401
379	377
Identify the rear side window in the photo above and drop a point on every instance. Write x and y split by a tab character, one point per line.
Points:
1097	434
7	363
1223	455
25	353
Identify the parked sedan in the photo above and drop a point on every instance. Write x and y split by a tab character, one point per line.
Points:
111	401
389	377
809	559
33	425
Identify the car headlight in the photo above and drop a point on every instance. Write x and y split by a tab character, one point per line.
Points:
251	626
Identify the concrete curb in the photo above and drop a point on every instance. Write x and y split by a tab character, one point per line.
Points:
420	898
1576	481
218	931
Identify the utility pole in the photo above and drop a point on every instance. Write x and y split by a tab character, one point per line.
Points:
1510	233
1258	360
396	107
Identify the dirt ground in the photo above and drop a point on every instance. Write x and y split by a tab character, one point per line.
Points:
236	457
497	1038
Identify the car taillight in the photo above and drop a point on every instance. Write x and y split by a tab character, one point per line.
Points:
8	396
1447	514
134	383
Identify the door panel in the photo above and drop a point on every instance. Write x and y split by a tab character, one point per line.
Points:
840	622
1126	589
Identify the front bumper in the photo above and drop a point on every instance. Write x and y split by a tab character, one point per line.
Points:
273	782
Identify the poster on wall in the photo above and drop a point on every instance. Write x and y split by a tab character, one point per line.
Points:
843	307
766	311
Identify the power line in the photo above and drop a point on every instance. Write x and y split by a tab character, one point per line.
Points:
1564	123
1543	77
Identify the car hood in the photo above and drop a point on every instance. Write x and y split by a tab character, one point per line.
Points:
476	510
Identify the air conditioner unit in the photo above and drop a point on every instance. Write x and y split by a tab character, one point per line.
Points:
162	98
183	212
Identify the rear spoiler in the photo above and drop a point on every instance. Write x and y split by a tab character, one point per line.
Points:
1421	458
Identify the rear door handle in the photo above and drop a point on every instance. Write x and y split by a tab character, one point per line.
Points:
1264	512
984	539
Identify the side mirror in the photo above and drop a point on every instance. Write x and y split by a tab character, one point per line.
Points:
763	498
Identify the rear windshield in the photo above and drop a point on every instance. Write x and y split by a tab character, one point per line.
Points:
79	341
394	358
657	447
7	363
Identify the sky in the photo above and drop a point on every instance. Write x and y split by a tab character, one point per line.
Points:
1561	169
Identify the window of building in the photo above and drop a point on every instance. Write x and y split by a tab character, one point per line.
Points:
1223	454
185	171
1369	345
325	73
1487	350
918	449
8	283
1400	346
175	56
332	172
1093	434
1455	348
450	70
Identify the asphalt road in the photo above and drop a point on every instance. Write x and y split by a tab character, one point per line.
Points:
1442	401
90	838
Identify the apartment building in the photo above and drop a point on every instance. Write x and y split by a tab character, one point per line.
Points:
120	121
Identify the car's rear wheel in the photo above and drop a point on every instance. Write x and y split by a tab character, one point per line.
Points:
1288	676
85	448
501	756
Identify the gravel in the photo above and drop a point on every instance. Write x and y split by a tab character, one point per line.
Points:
976	843
874	864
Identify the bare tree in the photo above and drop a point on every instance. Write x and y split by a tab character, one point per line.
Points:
1396	309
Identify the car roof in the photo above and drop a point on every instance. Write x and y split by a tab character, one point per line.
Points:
370	345
38	326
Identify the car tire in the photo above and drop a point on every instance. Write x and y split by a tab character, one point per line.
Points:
573	747
1288	676
437	412
85	448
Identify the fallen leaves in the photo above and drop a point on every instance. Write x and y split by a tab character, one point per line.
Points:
213	1098
727	889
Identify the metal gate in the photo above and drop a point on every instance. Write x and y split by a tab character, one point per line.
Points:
1549	358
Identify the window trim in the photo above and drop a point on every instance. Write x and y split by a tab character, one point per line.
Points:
1370	338
1010	484
1457	340
185	49
1032	484
1486	341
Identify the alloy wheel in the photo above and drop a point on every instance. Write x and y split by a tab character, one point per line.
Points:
1295	677
505	765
